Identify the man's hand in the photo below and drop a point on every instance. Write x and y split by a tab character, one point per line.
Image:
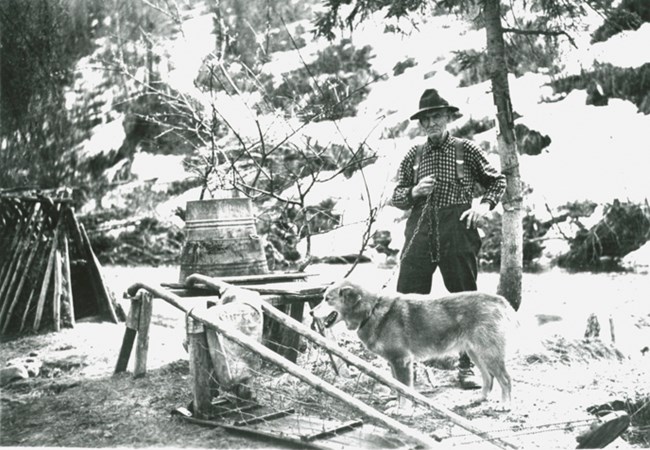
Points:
474	214
424	187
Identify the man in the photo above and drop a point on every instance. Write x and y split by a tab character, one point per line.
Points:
436	182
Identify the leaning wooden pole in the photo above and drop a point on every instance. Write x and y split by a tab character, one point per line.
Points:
362	365
19	237
49	268
295	370
68	303
97	279
21	283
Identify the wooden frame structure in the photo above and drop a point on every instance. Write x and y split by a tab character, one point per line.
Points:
49	274
201	386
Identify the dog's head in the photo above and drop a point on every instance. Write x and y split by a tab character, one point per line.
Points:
341	301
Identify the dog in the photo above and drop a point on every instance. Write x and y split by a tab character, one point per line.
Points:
403	328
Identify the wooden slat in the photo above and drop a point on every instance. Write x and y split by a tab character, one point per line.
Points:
46	281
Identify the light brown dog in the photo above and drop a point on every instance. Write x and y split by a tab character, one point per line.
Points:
402	328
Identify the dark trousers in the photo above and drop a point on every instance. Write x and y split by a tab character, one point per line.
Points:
443	242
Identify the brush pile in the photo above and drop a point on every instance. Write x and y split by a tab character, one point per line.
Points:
49	275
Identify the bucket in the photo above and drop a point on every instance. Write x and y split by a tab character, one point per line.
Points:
221	239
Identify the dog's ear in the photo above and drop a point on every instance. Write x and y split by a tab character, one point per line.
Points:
349	295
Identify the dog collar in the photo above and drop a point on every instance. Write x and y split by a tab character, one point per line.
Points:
367	318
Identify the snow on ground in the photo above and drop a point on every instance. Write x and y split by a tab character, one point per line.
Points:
162	168
104	139
596	153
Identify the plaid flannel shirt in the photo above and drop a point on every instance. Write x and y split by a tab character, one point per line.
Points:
440	162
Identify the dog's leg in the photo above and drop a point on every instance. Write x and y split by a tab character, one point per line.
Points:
494	360
504	381
402	370
483	366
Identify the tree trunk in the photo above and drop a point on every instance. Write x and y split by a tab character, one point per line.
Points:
512	240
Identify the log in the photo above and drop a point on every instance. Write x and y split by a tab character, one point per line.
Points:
46	281
142	345
363	366
271	356
19	288
200	368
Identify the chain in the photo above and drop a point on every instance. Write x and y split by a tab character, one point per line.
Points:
429	202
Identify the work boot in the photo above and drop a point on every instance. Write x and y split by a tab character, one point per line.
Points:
466	376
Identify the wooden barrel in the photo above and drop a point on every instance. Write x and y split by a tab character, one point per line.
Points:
221	239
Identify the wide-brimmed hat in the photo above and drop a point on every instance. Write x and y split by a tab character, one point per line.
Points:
431	101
